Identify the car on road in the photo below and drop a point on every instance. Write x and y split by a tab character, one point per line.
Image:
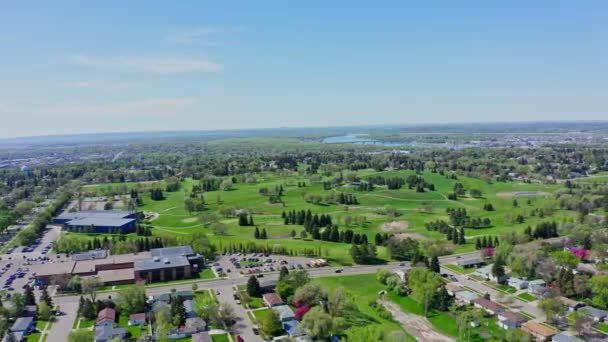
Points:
260	276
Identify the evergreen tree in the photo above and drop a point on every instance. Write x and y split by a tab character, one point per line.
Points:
461	240
263	235
256	233
28	296
283	273
253	287
44	296
434	266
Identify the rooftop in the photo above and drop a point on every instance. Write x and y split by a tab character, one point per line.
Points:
167	261
116	275
95	213
595	312
488	304
22	324
172	251
537	328
137	317
469	262
284	312
107	314
565	338
272	299
90	255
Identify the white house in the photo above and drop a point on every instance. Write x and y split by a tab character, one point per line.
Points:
484	272
537	286
466	297
517	283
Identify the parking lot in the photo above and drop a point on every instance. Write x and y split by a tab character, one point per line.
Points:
244	264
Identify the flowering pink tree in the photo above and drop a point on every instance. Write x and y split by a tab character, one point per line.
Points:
581	253
301	311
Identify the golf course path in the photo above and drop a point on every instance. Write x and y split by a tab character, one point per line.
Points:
415	325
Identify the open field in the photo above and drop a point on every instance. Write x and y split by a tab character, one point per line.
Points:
373	214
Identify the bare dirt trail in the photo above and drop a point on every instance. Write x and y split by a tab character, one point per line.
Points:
415	325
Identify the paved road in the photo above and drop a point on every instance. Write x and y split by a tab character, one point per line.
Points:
63	325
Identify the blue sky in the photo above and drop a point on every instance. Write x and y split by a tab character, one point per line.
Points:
79	67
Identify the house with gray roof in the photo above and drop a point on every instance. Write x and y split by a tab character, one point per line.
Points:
98	221
104	333
561	337
597	314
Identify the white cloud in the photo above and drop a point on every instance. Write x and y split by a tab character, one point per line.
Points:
154	65
198	36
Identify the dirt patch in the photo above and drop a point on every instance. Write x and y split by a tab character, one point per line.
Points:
395	226
522	193
417	326
415	236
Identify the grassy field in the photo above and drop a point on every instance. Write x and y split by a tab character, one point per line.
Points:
220	338
364	288
526	297
458	269
414	208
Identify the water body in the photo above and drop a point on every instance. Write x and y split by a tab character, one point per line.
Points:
362	139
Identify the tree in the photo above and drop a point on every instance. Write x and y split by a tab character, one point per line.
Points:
45	297
164	322
599	288
498	269
219	228
435	264
90	287
552	308
565	259
29	297
253	287
270	325
283	273
402	249
226	185
317	323
87	310
263	234
310	294
132	300
424	284
44	311
18	304
178	311
200	244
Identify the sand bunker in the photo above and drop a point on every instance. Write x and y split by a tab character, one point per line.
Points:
395	226
415	236
522	193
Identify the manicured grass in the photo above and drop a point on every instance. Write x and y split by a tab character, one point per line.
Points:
500	287
261	314
603	327
86	323
33	337
220	338
526	297
204	296
256	302
458	269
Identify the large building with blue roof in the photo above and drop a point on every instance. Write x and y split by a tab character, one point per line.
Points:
98	221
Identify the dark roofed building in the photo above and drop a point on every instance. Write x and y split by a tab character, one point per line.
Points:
272	299
488	305
105	333
98	221
171	263
106	316
90	255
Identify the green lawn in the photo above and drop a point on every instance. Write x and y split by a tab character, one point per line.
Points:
458	269
204	296
603	327
526	297
260	314
86	323
364	288
33	337
501	287
256	302
220	338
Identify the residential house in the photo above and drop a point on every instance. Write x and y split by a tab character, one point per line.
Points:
288	319
137	319
104	333
570	304
452	288
597	314
489	306
272	299
538	331
537	286
189	307
517	283
185	295
510	320
106	317
561	337
466	297
23	325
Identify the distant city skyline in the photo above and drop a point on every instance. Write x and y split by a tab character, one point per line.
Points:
70	67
